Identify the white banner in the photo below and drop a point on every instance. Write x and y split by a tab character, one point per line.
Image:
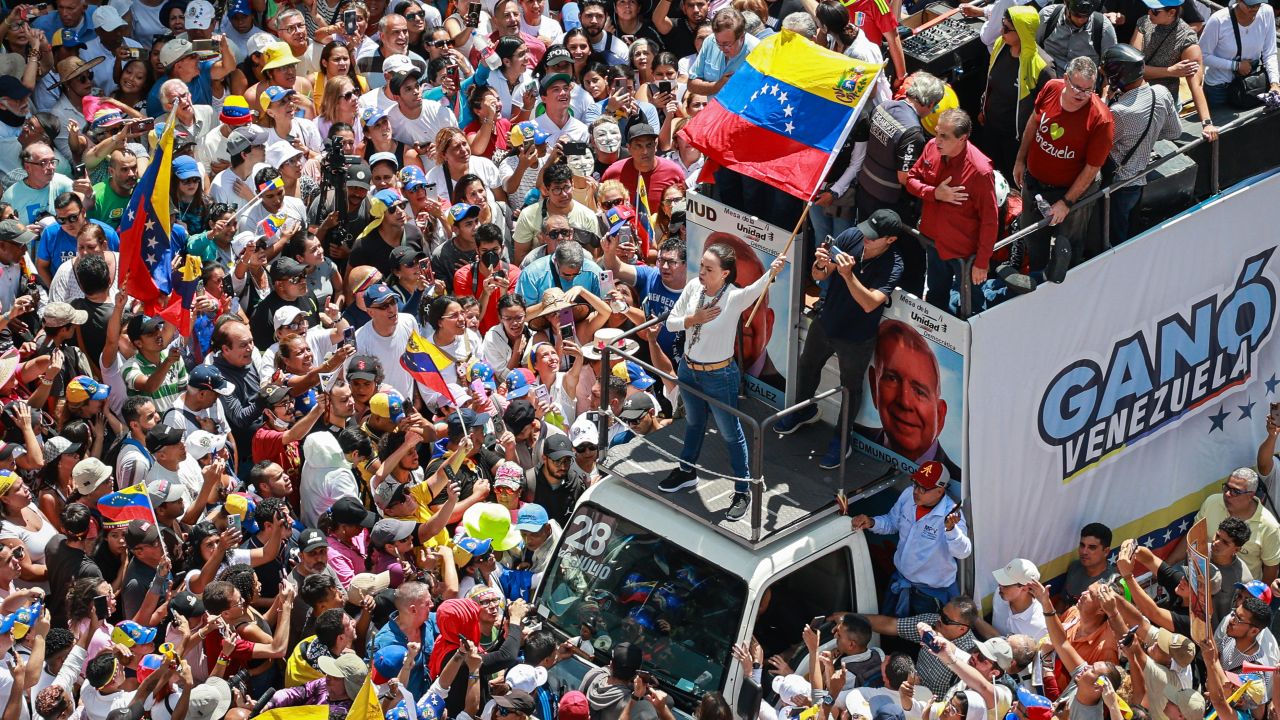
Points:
767	345
1128	393
913	394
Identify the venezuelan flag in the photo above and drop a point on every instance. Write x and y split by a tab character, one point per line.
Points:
644	224
784	114
147	244
131	503
426	363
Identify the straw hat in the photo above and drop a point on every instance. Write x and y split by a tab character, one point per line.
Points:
594	350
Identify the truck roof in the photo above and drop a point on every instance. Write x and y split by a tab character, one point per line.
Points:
797	493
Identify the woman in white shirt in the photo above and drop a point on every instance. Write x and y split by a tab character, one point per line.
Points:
1225	60
707	311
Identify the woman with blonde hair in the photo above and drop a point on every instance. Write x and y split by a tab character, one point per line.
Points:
454	159
341	104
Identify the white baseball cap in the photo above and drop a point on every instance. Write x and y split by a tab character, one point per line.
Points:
107	18
1017	572
199	15
281	152
285	316
398	64
200	443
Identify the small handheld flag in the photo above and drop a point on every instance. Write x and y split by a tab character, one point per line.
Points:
427	363
131	503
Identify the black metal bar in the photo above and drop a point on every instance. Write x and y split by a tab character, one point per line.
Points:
966	287
844	432
1106	215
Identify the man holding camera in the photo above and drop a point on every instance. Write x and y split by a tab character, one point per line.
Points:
866	267
489	277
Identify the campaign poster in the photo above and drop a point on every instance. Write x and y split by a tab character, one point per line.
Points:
766	344
913	395
1127	394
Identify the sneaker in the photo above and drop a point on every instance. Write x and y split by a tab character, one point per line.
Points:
678	480
831	461
796	420
738	507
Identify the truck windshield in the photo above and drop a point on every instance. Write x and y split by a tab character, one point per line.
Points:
613	580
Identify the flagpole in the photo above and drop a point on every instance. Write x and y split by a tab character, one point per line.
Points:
794	232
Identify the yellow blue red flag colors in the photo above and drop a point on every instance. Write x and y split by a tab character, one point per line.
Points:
131	503
147	242
644	222
426	363
784	114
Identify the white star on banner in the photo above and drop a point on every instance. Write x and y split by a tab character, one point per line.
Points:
130	216
782	97
790	128
754	95
786	111
151	224
151	259
774	89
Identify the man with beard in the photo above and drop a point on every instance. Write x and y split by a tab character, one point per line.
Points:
111	196
555	490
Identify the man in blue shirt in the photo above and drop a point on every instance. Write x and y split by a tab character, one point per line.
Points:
657	289
58	241
412	621
718	61
567	267
180	60
74	15
863	266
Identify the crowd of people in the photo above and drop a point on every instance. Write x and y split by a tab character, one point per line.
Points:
506	180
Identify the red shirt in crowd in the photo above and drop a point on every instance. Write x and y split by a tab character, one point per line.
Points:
1062	142
463	286
873	17
665	173
497	140
967	229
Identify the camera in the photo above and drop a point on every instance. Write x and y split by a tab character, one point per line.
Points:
333	174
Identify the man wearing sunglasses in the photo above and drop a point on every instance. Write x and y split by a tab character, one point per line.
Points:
932	535
58	241
1239	499
288	289
953	622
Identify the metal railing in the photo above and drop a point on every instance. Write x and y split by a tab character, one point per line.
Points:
755	455
1103	195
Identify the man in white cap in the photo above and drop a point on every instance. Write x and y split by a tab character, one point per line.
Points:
180	60
1013	609
110	39
89	478
380	95
210	700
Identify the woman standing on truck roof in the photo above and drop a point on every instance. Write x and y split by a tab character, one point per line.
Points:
708	310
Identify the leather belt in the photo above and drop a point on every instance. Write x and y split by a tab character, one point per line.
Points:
708	367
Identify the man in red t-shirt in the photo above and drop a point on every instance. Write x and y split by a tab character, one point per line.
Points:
282	430
489	277
1066	141
223	601
659	173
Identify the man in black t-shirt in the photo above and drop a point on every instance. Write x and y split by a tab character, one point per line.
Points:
143	541
480	460
288	287
66	559
862	266
557	491
391	229
678	33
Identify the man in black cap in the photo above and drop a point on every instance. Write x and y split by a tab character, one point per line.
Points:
408	278
554	488
142	576
523	420
517	704
323	213
155	370
15	239
474	475
863	266
171	462
611	689
659	173
641	414
288	287
279	437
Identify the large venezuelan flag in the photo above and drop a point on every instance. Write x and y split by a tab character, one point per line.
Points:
426	363
784	114
147	245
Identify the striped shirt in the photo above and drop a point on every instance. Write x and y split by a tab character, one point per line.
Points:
136	370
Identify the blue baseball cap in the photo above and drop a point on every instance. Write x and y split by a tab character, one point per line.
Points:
532	518
462	211
483	372
527	131
185	167
377	294
371	116
387	662
412	178
130	634
389	197
275	94
239	7
518	384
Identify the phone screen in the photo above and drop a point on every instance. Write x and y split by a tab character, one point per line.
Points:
1275	413
100	606
349	21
